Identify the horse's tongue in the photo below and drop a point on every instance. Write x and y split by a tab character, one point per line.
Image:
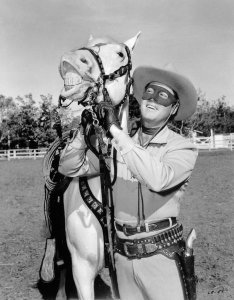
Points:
77	89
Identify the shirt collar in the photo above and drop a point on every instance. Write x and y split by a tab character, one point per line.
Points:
160	138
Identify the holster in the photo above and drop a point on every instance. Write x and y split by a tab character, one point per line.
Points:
188	274
185	265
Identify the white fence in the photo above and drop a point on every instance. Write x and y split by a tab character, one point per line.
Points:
22	153
218	141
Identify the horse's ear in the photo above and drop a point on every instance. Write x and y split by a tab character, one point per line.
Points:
131	43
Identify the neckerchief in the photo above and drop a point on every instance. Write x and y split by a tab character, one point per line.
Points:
149	131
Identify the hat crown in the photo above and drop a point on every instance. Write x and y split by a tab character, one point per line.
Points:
170	67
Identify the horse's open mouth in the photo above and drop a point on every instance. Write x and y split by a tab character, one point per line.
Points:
75	85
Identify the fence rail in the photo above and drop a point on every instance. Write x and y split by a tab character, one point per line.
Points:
22	153
205	143
218	141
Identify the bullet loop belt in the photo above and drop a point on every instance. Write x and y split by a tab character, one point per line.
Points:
144	247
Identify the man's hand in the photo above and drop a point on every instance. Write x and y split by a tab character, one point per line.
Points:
87	122
86	118
107	115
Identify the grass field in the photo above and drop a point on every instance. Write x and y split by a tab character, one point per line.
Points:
208	207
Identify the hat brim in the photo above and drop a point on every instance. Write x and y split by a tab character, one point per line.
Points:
182	86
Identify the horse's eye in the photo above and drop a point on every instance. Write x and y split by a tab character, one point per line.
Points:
121	54
83	60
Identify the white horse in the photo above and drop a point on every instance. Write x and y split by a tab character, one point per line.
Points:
85	72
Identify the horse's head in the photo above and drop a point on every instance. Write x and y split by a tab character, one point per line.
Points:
102	65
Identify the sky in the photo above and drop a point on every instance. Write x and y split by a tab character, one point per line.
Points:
196	37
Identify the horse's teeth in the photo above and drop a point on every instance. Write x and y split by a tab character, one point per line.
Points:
72	79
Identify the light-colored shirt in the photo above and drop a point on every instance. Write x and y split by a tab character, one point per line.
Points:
163	169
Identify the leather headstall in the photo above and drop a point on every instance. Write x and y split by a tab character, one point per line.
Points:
112	76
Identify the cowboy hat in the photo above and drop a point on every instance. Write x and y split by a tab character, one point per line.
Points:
182	86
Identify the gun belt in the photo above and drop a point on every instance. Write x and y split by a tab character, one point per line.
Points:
144	247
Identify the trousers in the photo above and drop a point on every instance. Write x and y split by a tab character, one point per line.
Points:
150	278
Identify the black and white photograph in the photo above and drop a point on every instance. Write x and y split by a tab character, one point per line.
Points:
116	149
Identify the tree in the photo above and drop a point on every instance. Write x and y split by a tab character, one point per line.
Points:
22	122
27	124
224	121
216	115
45	134
7	104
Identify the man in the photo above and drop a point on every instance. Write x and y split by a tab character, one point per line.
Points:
153	168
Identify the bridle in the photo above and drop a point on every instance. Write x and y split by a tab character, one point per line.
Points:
101	81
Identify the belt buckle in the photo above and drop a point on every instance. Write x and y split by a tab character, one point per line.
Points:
150	248
140	250
126	249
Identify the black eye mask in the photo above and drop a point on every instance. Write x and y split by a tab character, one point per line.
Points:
159	94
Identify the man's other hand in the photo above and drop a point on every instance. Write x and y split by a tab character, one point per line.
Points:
107	115
86	118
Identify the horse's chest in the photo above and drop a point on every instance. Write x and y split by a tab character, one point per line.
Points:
95	187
